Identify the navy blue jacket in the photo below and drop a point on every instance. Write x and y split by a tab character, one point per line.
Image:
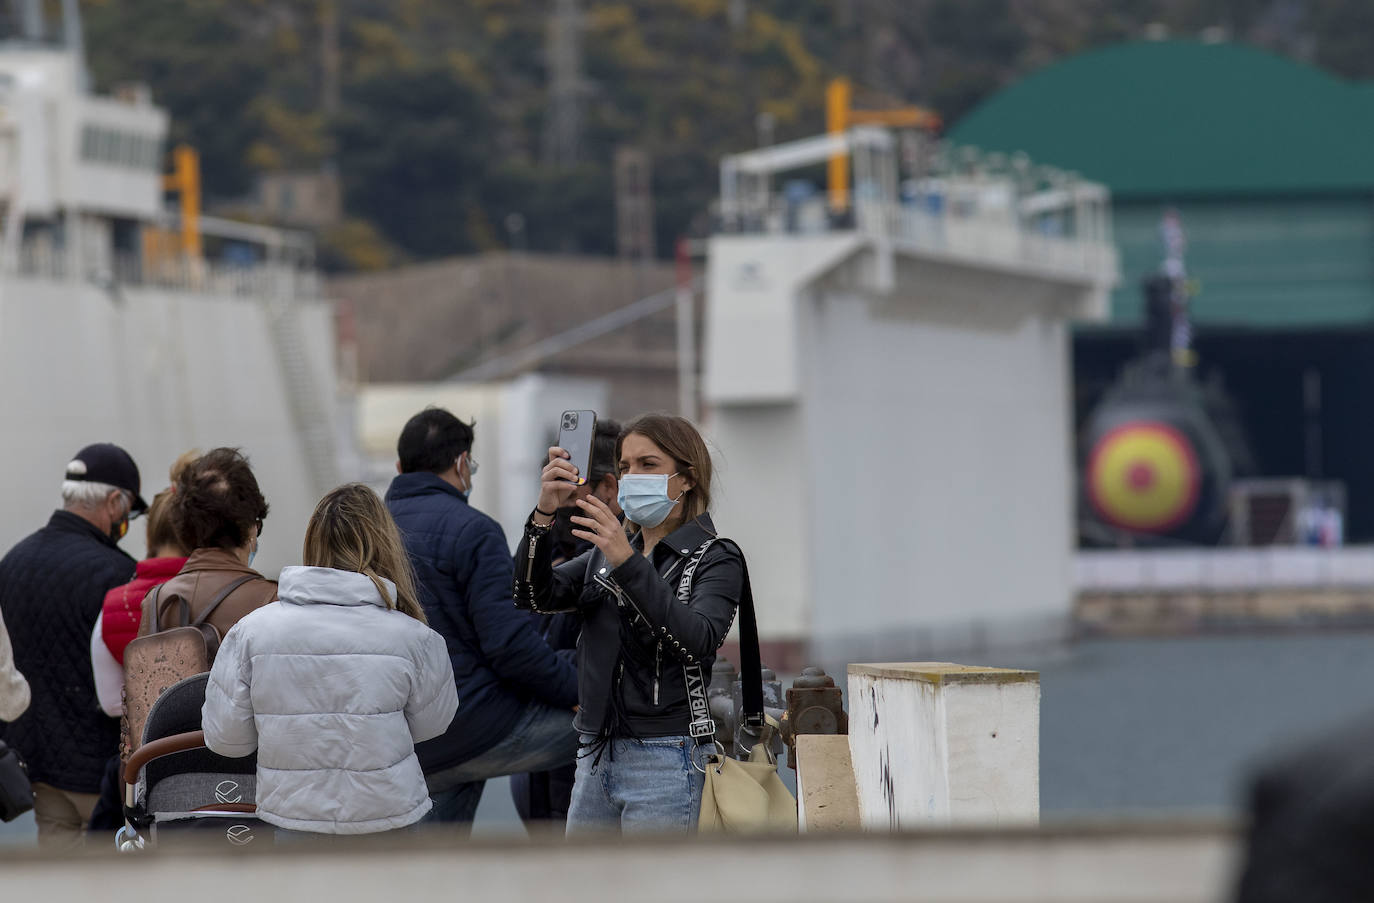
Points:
465	572
52	585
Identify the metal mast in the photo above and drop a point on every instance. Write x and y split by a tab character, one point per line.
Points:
634	204
563	128
329	57
30	15
73	38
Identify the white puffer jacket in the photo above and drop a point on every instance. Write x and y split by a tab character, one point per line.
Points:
333	690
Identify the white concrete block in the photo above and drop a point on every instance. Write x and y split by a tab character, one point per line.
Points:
935	743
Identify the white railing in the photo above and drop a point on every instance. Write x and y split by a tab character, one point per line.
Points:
1013	243
178	273
954	200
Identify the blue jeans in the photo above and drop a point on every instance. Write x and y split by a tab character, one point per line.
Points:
543	738
638	787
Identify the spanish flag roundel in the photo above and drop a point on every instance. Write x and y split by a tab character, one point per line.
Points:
1144	476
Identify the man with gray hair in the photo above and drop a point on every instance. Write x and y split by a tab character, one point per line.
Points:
52	585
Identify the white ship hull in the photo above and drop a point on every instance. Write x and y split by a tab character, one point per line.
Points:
160	371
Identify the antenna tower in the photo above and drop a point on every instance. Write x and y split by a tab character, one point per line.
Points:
634	204
563	129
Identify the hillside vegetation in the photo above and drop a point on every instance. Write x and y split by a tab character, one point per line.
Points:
435	111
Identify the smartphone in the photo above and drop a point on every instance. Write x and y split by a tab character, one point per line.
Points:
575	431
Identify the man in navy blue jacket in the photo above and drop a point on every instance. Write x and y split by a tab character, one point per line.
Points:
515	695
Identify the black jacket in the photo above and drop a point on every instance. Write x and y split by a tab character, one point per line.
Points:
636	636
500	662
52	586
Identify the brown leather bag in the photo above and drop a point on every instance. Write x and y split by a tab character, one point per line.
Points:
154	662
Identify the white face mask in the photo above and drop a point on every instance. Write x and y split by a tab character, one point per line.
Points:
472	472
644	498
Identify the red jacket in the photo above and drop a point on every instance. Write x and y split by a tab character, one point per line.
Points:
124	604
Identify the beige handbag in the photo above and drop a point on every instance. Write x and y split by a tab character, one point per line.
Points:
747	797
739	797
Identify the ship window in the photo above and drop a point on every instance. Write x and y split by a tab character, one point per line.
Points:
152	154
101	145
109	146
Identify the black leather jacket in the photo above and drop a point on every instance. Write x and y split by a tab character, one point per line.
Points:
636	635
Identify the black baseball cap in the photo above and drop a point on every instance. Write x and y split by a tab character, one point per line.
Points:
106	462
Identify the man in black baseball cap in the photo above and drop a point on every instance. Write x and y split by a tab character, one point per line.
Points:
52	585
111	465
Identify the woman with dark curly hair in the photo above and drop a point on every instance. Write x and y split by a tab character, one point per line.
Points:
217	511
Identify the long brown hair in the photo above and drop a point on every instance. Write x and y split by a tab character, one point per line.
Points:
351	530
678	438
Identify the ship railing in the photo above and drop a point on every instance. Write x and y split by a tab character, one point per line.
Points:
961	232
258	279
1006	237
955	201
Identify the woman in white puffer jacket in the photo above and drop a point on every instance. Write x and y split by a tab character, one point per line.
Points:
335	683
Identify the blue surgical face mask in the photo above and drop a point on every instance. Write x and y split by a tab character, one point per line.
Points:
644	498
254	554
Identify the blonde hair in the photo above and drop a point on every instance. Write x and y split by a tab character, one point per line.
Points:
351	530
162	533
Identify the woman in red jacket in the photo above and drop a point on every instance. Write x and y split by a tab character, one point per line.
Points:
118	621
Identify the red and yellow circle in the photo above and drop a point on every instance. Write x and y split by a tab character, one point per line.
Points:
1143	476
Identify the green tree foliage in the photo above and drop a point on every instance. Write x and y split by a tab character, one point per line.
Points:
414	147
202	65
440	133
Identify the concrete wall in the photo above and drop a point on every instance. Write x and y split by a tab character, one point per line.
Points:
1170	863
157	373
939	442
1265	567
909	487
754	494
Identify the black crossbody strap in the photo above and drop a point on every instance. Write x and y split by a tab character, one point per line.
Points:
751	667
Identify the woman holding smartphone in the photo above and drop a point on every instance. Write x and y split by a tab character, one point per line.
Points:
657	601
